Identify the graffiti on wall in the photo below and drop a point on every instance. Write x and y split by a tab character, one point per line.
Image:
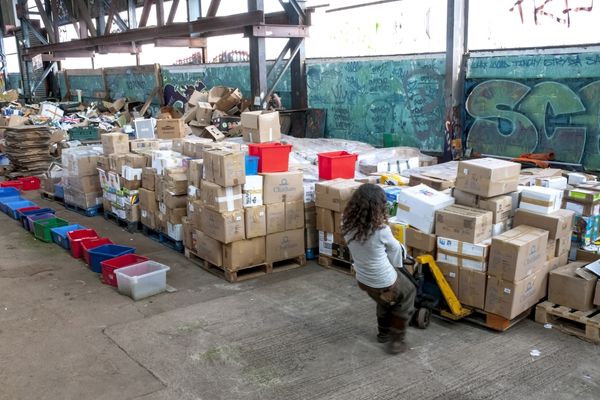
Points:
556	11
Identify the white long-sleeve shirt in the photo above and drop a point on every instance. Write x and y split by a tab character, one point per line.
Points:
376	257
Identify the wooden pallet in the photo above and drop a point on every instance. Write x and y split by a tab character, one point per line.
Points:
286	265
583	324
129	226
493	321
163	239
51	197
344	267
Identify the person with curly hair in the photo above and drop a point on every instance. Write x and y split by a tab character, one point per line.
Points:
377	254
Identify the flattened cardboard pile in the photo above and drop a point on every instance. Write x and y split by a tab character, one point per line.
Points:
27	148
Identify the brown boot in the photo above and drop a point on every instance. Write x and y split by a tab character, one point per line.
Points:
396	345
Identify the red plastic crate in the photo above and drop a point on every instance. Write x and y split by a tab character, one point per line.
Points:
92	243
109	266
76	237
337	164
272	157
25	209
15	184
30	183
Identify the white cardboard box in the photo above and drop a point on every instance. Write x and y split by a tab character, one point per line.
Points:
252	191
463	254
552	182
417	206
541	200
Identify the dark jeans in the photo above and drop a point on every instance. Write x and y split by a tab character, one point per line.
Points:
395	304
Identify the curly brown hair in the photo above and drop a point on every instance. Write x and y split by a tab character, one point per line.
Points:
365	213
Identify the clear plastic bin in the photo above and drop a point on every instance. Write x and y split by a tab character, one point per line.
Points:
142	280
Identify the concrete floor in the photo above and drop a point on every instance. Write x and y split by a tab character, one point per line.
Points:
301	334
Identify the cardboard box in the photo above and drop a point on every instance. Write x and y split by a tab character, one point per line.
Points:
116	162
587	256
452	275
518	253
256	221
175	215
136	160
335	194
148	199
325	220
219	198
568	288
510	299
310	216
464	223
399	229
176	183
275	218
540	199
584	196
583	208
551	249
463	254
261	126
417	206
133	184
416	239
225	227
252	191
488	177
82	199
115	143
311	239
148	178
132	212
137	145
170	128
325	243
285	245
471	287
500	206
294	215
84	184
174	201
338	219
244	253
224	167
552	182
558	224
207	132
280	187
204	113
434	183
227	97
209	249
84	166
597	294
148	218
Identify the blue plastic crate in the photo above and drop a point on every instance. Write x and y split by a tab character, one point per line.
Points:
23	215
59	191
252	165
9	199
13	206
59	235
8	192
106	252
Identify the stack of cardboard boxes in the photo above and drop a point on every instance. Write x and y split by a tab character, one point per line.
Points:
80	178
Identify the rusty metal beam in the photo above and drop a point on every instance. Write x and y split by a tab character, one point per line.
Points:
145	13
46	21
131	49
280	31
213	7
109	18
160	13
172	12
181	42
84	13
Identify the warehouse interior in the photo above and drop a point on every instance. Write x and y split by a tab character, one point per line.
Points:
176	181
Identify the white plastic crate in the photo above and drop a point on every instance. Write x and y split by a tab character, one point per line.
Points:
142	280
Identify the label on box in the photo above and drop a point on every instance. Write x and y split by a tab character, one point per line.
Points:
326	243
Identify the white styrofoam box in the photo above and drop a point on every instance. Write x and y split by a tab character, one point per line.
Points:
463	254
553	182
326	243
252	191
540	199
131	174
175	231
142	280
417	206
575	178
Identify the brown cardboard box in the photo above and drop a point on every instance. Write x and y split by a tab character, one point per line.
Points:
567	288
563	246
132	212
204	113
175	215
471	287
588	256
176	183
82	199
452	275
261	126
285	245
137	145
335	194
275	218
279	187
294	215
310	216
174	201
228	98
463	223
597	294
500	206
426	242
518	253
325	220
85	184
488	177
583	208
115	143
558	224
225	227
224	167
195	168
135	161
510	299
218	198
551	249
85	166
116	162
244	253
337	222
209	249
256	221
434	183
195	213
149	178
311	237
133	184
148	218
188	241
170	128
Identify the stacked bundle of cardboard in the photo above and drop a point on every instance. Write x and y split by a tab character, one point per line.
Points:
27	148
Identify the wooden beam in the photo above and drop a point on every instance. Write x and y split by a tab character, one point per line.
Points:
145	13
46	21
172	12
213	8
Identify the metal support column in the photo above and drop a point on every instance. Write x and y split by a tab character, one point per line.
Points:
258	63
456	46
298	66
194	9
3	74
131	17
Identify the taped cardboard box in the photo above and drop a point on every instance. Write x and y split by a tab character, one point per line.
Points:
325	220
204	113
255	221
173	128
463	254
115	143
279	187
294	215
194	172
488	177
590	195
434	183
225	227
471	287
452	275
275	217
500	206
148	199
541	200
335	194
558	224
84	184
174	201
148	178
244	253
252	191
175	215
463	223
219	198
425	242
84	165
418	204
552	182
261	126
285	245
569	288
82	199
510	299
518	253
224	167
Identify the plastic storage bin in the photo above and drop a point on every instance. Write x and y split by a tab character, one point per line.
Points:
75	239
59	235
30	183
252	165
337	164
31	219
12	208
90	244
142	280
13	184
8	192
109	266
9	199
106	252
273	157
41	228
